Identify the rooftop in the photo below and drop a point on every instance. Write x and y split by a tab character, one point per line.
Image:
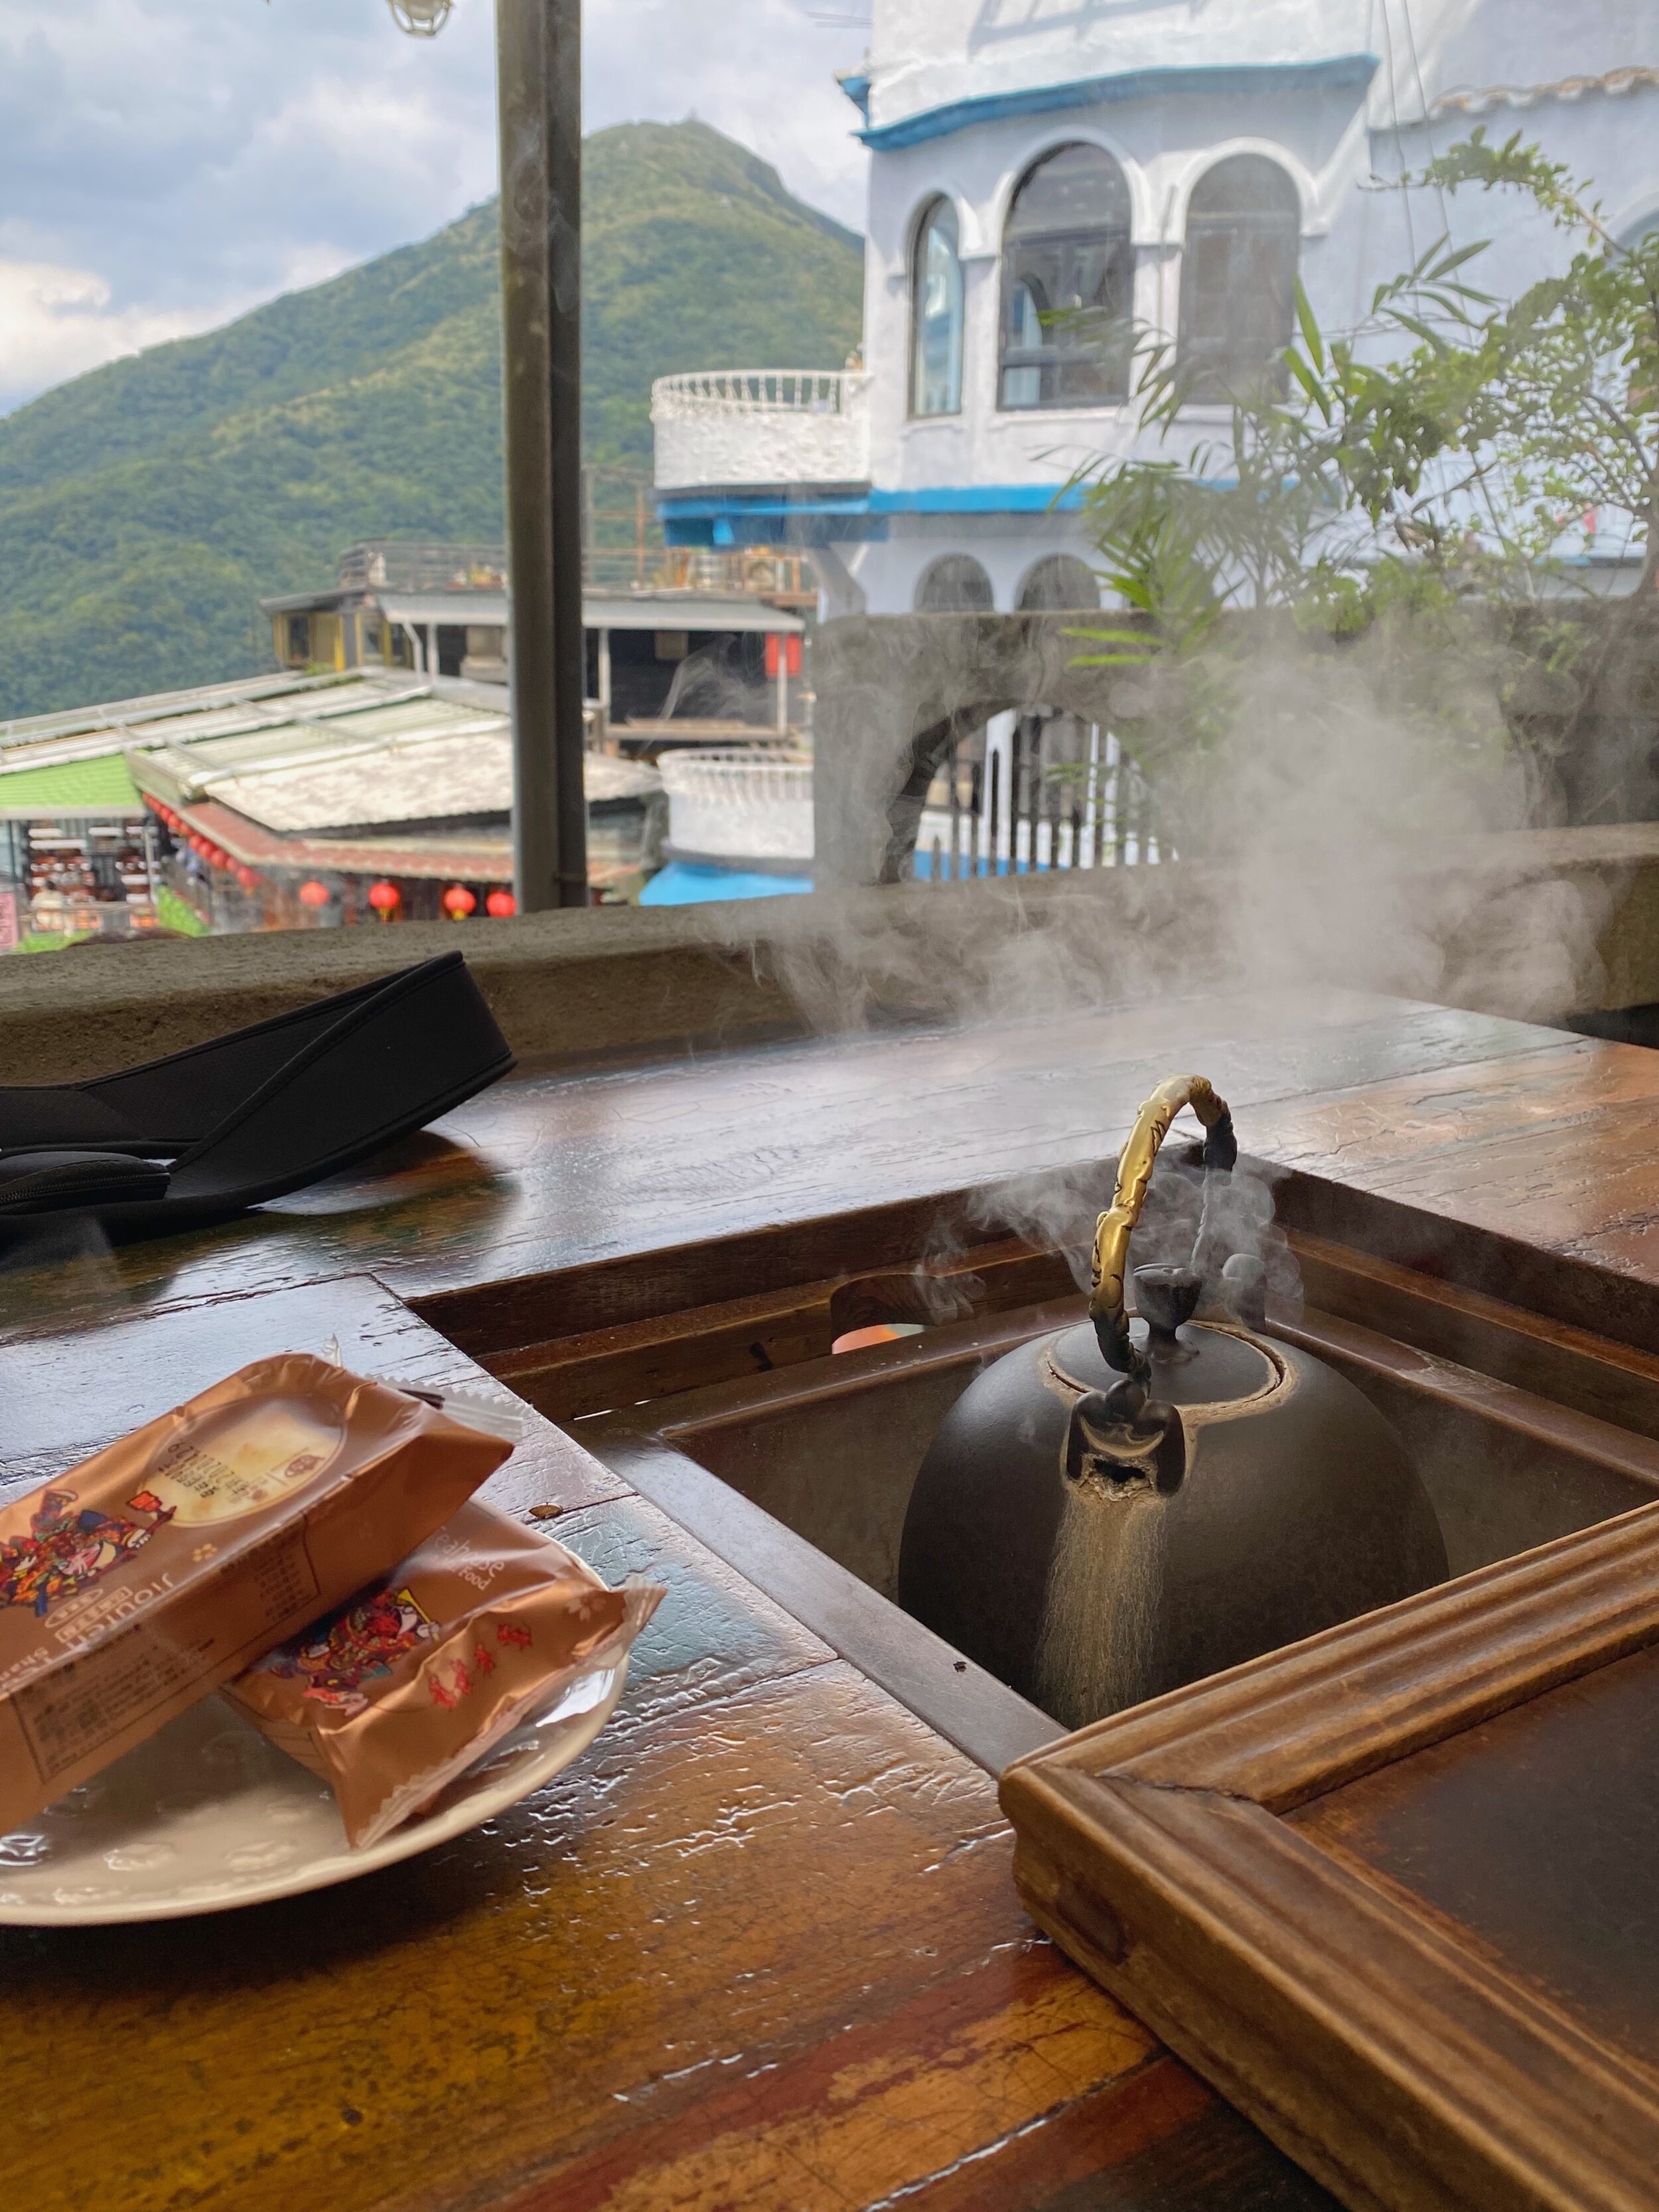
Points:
393	756
487	605
364	761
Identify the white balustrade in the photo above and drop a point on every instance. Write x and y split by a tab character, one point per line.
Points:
739	807
761	427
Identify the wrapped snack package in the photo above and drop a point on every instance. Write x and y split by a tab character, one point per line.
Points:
395	1694
154	1571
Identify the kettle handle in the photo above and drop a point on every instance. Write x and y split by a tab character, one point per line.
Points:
1134	1169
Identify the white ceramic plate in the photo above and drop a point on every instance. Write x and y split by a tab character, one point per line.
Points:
207	1814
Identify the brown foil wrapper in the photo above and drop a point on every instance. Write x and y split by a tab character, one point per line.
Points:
150	1574
392	1697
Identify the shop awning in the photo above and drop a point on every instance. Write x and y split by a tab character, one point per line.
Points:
480	857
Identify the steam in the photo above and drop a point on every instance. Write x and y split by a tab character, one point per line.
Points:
1365	823
1380	831
708	686
943	1292
1207	1219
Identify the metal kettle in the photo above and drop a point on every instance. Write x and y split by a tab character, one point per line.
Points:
1119	1508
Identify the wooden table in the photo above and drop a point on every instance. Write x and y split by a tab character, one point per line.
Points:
761	1947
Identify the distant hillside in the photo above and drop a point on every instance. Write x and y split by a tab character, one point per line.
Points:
145	507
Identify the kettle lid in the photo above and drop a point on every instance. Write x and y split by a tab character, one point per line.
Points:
1191	1362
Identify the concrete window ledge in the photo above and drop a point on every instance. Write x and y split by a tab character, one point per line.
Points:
1534	924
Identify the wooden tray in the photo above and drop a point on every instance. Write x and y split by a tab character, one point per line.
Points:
1395	1890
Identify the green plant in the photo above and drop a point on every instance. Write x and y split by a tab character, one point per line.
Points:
1420	476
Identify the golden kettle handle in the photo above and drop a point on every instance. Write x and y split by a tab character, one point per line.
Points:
1134	1171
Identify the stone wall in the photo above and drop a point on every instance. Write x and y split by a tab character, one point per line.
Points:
1539	925
894	693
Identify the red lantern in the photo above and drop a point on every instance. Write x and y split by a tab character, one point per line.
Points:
459	902
386	899
248	878
500	905
314	893
220	858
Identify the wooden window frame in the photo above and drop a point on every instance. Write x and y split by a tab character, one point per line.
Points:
1376	2043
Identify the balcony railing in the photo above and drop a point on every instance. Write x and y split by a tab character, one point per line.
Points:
761	427
740	807
1036	793
756	392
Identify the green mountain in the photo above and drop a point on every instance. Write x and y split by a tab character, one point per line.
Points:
145	508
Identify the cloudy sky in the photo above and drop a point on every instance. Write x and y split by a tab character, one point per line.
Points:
166	164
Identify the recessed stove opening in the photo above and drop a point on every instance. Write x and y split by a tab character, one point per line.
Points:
1163	1447
832	1449
830	1445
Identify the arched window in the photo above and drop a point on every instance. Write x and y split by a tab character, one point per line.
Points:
936	315
1239	275
954	584
1060	584
1067	284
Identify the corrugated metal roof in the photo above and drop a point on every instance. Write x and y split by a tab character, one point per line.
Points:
461	608
701	610
438	779
260	702
698	610
299	780
203	764
111	713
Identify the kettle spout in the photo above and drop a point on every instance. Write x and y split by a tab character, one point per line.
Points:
1121	1435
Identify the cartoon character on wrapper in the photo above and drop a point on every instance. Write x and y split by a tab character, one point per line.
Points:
360	1644
66	1551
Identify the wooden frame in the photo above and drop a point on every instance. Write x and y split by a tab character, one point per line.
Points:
1385	2049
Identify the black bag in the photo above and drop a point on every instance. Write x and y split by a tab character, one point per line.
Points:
210	1130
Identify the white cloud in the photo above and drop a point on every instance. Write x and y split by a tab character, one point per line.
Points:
56	322
761	71
166	164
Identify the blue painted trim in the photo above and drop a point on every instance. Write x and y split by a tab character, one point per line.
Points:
977	499
932	498
706	505
724	519
1342	70
749	518
778	529
856	85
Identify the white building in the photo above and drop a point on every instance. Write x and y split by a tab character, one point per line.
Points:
1171	162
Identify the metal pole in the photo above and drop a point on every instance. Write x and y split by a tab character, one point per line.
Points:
539	61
